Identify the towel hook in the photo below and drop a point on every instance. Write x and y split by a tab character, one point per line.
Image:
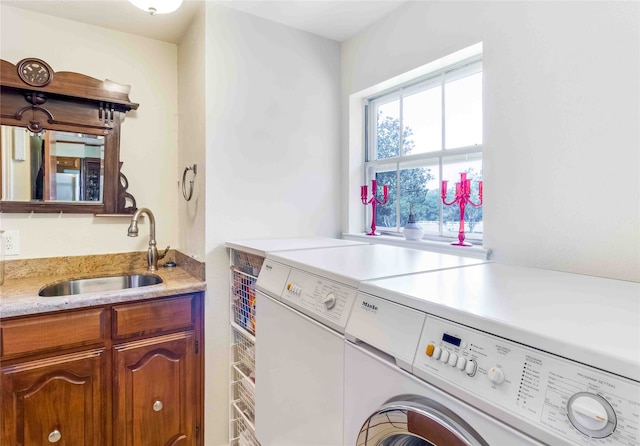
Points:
184	180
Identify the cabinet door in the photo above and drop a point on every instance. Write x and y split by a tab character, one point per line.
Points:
155	391
54	401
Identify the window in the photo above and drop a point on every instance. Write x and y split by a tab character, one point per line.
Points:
419	134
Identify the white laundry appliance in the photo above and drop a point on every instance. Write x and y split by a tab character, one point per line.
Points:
304	299
246	259
493	354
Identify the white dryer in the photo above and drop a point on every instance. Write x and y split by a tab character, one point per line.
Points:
493	354
304	299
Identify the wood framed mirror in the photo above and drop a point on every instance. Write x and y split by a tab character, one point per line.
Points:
60	141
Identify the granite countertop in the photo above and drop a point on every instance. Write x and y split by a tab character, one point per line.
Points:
19	295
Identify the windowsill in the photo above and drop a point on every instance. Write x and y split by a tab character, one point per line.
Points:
477	252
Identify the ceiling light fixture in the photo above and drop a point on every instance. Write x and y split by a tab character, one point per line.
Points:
157	6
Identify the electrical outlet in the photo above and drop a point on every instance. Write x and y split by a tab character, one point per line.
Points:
11	243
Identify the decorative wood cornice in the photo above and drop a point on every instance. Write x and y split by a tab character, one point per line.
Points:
71	85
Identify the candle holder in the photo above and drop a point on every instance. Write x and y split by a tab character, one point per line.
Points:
374	201
463	192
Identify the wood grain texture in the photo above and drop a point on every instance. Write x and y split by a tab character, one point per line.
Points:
155	398
64	394
105	394
52	331
71	102
68	83
153	317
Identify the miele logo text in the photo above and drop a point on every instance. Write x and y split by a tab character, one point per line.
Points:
367	306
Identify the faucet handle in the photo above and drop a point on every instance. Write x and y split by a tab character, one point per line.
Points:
161	256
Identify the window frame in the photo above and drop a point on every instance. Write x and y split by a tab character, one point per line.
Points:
433	159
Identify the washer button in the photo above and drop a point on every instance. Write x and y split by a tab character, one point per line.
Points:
471	367
445	356
430	349
453	360
437	352
461	363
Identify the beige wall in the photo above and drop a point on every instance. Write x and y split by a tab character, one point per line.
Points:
149	147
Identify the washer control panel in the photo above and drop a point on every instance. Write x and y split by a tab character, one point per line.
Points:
322	299
559	399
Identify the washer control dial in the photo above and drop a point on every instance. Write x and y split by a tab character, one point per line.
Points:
329	301
496	375
591	414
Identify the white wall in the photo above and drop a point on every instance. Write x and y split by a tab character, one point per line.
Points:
272	158
193	128
149	143
561	113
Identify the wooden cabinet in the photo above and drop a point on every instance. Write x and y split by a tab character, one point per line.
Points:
125	375
54	400
155	398
155	382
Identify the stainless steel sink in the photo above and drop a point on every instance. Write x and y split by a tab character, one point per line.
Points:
99	284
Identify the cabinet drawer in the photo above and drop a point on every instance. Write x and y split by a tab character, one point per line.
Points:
52	331
153	317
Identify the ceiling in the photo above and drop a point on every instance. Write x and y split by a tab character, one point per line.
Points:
336	20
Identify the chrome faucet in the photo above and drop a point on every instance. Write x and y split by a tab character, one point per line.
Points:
152	253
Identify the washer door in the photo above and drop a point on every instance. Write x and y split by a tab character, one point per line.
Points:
416	421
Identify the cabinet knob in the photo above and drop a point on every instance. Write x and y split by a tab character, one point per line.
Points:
157	406
55	436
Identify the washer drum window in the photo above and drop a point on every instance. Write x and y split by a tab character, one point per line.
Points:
409	420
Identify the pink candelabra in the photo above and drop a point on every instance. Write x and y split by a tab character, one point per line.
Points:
463	192
374	201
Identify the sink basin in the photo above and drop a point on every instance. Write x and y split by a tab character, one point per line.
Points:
99	284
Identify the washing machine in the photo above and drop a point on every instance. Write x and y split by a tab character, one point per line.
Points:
304	299
493	355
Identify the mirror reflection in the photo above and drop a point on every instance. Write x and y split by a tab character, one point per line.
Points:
51	166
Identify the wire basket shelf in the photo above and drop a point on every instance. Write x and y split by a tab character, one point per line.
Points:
245	391
244	300
248	263
243	430
244	352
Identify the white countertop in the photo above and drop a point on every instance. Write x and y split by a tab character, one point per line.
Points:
261	247
591	320
352	264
